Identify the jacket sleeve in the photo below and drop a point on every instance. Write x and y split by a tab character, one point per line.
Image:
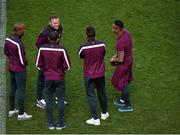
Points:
66	61
81	52
23	55
42	39
104	51
19	49
6	50
39	60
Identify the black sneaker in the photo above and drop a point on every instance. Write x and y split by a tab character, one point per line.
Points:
119	102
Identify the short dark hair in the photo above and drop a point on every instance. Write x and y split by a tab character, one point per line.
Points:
90	31
119	23
53	36
18	25
53	17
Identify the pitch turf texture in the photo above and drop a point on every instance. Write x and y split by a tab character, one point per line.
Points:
155	91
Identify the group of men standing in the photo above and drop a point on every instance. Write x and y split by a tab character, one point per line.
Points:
53	61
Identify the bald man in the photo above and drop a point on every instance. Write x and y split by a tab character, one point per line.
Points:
17	62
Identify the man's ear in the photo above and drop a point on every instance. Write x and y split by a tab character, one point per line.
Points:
49	22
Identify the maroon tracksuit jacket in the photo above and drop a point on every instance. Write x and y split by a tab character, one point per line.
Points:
43	36
53	60
15	51
93	53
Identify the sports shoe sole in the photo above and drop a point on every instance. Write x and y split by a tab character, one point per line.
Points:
23	119
105	118
51	128
121	110
60	128
40	106
93	124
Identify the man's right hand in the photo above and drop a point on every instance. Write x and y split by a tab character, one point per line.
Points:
112	62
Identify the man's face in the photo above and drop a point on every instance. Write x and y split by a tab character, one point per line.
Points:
55	23
115	29
21	30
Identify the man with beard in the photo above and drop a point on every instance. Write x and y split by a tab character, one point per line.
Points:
123	61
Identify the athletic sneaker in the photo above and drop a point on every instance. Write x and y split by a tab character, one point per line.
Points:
24	116
104	116
125	109
92	121
119	102
56	101
51	126
60	127
41	103
13	113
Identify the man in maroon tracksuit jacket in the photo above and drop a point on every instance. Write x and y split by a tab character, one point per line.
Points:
93	53
54	25
17	62
54	61
123	62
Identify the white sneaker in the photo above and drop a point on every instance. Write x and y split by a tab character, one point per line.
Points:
41	103
92	121
24	116
13	113
104	116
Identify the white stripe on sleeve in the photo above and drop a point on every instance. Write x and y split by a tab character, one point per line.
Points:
91	46
19	51
37	59
56	49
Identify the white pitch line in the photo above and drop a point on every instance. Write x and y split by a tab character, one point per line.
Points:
2	68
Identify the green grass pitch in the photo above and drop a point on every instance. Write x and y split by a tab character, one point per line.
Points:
155	91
